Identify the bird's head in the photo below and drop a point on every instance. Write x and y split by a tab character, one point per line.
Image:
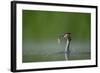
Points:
65	36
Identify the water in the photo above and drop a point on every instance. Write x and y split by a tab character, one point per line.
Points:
52	51
41	29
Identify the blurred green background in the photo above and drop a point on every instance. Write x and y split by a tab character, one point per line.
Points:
42	28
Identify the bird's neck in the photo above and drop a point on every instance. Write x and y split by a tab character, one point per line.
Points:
67	42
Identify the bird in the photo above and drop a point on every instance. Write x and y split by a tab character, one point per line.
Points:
64	41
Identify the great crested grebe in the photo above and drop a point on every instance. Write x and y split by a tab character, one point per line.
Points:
64	41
